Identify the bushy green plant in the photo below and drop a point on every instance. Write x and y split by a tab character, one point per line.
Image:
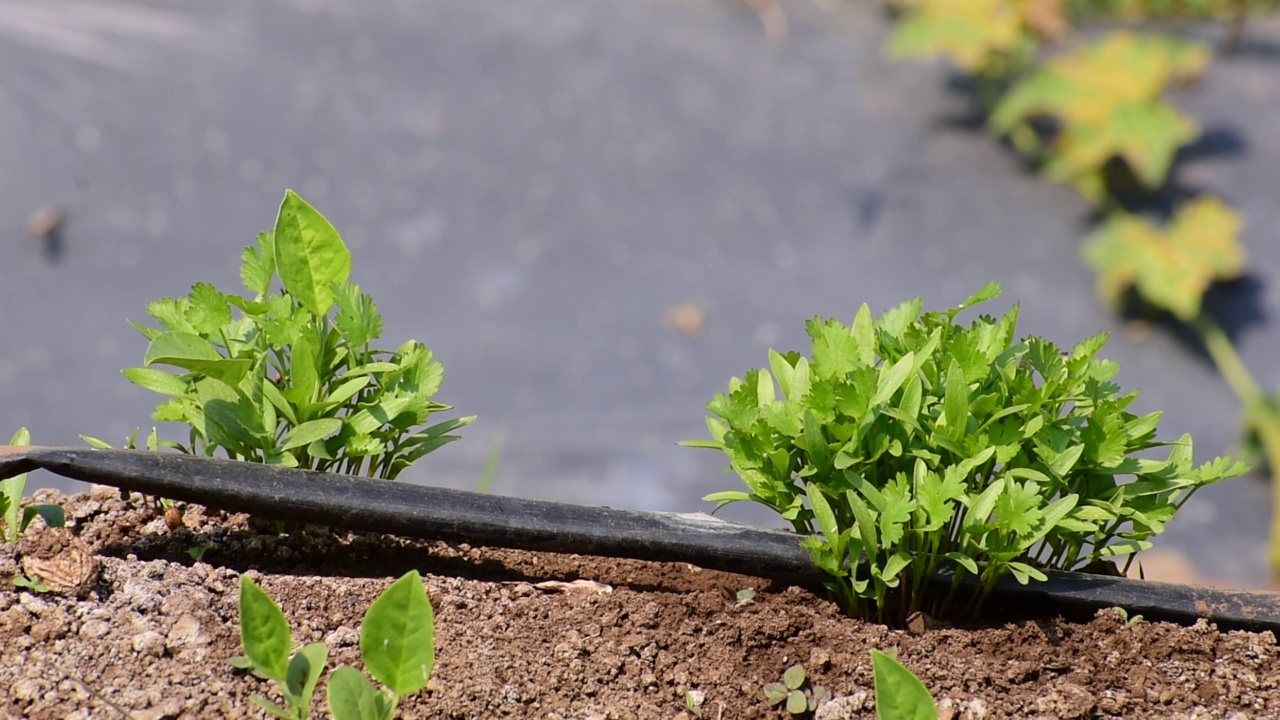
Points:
293	379
912	444
397	644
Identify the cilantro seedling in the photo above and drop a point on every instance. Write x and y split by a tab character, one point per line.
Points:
292	377
397	645
910	445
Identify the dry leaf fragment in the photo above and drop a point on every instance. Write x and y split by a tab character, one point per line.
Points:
561	586
63	562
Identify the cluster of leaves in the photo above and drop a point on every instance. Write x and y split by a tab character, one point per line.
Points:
294	379
397	645
910	444
14	516
795	693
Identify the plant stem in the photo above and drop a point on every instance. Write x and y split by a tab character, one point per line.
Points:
1227	358
1257	415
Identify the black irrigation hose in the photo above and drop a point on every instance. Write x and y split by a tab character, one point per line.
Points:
354	503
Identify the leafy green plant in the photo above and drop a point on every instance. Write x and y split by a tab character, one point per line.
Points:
899	693
397	644
910	444
14	517
293	379
795	692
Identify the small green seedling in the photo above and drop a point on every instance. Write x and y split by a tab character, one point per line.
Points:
1124	617
268	653
197	551
397	644
744	597
14	518
899	693
32	584
794	690
294	379
693	702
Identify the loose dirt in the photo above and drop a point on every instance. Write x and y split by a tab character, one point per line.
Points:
147	634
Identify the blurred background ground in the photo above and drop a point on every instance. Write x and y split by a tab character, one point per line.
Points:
595	213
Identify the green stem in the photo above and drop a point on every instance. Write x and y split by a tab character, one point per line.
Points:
1257	416
1227	358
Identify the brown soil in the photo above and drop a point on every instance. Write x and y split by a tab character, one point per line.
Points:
149	631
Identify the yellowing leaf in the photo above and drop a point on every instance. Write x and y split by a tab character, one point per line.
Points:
1106	96
1171	269
969	32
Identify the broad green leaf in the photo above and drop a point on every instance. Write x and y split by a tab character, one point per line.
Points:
53	515
303	674
195	354
264	631
353	697
309	253
156	381
397	636
309	432
899	694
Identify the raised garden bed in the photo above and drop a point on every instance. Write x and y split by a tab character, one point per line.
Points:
150	633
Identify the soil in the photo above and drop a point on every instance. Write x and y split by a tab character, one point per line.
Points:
134	627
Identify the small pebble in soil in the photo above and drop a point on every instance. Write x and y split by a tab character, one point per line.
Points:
149	643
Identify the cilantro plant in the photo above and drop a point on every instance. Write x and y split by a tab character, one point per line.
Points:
292	377
397	644
911	444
